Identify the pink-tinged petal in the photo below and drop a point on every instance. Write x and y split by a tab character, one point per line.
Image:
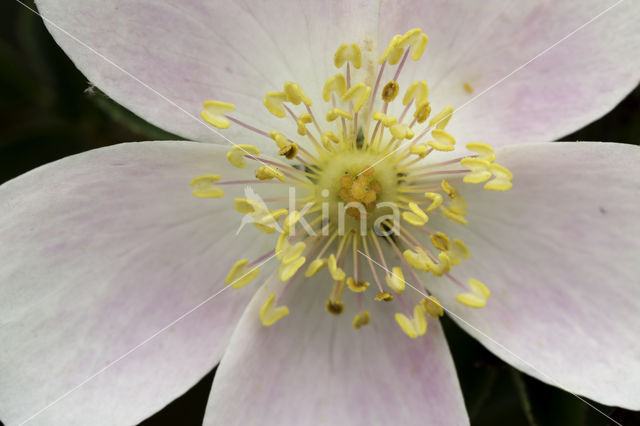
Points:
101	251
191	51
480	43
312	368
559	253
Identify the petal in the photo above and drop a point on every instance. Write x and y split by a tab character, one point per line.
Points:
101	251
312	367
559	253
576	81
191	51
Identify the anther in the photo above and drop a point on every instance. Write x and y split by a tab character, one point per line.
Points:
423	111
443	141
361	319
395	280
348	52
478	170
295	94
239	275
432	306
442	118
417	40
213	113
269	313
273	102
335	307
478	296
390	91
236	154
384	296
357	286
203	186
338	112
502	178
269	172
415	326
360	93
336	84
418	92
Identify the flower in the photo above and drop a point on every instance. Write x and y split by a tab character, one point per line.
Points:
103	250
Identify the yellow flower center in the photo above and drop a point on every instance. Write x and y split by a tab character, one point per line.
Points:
364	188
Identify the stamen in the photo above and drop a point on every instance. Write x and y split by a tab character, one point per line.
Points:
361	319
236	154
213	113
203	186
432	306
240	275
415	326
478	296
270	314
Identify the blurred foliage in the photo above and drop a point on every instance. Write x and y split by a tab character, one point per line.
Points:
48	110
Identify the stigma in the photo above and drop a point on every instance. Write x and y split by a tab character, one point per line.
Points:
364	190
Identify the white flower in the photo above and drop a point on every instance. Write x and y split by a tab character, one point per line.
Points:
102	251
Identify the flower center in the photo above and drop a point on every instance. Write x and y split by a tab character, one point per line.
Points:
361	190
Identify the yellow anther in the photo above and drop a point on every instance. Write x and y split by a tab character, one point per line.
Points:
395	280
348	52
295	94
357	286
416	216
287	252
336	272
467	87
477	297
337	84
236	154
418	92
442	119
417	40
289	222
401	131
288	270
203	186
338	112
502	178
451	190
270	313
393	52
432	306
273	101
390	91
302	129
421	149
443	266
413	327
384	296
269	172
453	216
213	113
303	120
387	120
422	112
478	170
248	206
335	307
239	275
281	139
418	258
290	151
359	93
484	151
440	241
458	252
436	200
361	319
327	138
314	267
443	141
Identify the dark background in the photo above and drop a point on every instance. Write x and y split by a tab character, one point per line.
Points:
48	110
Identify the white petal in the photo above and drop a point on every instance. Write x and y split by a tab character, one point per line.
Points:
101	251
480	43
559	253
312	367
191	51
